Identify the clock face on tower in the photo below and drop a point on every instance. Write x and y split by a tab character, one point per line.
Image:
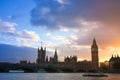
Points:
93	49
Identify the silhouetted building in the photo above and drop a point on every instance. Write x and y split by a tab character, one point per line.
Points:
70	62
70	59
51	60
94	52
41	55
114	59
104	65
84	66
23	61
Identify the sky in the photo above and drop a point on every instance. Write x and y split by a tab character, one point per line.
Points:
68	25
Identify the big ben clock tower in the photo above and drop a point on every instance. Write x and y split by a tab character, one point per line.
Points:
94	52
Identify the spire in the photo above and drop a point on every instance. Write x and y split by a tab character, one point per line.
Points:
55	51
55	56
94	41
41	48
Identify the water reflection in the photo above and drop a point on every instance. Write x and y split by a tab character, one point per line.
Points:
53	76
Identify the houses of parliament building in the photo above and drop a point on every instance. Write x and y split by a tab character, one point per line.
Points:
70	62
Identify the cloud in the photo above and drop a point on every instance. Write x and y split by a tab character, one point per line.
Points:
7	27
25	37
61	1
29	38
28	35
73	11
56	37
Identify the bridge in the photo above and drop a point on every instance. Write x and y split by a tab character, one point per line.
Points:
32	68
5	67
50	68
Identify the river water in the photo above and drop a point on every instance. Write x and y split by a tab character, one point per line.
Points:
54	76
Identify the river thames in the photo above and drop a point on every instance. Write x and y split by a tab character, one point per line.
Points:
54	76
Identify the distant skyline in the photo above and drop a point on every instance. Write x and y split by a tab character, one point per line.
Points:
68	25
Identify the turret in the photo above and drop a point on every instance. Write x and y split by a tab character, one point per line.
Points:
41	48
41	55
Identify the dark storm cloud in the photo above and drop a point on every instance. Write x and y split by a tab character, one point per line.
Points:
15	54
52	14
